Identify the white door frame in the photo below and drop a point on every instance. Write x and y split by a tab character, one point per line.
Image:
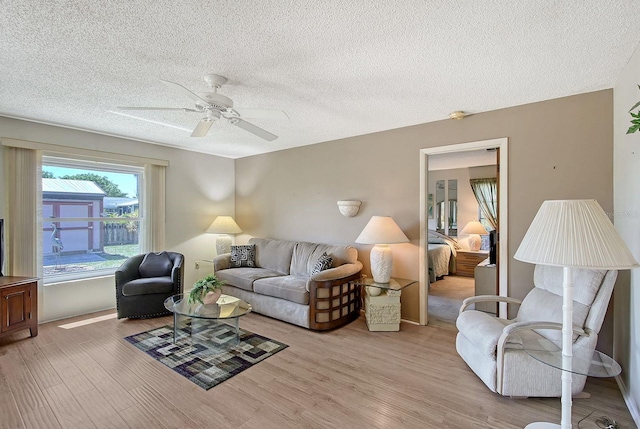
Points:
501	143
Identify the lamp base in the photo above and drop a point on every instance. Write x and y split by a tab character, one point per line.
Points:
381	263
474	242
223	244
542	425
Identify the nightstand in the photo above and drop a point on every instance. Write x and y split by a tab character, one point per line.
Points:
466	261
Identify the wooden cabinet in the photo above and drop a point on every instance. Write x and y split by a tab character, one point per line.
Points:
466	261
19	296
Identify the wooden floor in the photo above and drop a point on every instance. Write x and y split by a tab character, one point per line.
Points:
89	377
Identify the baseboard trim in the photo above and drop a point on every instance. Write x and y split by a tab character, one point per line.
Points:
631	405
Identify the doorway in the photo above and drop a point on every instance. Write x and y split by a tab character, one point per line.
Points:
440	210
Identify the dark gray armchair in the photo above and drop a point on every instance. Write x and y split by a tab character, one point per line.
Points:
144	281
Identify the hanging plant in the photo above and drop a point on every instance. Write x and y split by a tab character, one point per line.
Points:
636	118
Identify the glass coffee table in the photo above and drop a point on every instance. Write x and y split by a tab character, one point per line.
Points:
203	317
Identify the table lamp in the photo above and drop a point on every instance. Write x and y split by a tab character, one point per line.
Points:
572	234
223	225
381	231
474	229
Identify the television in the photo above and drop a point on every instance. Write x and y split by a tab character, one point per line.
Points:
493	246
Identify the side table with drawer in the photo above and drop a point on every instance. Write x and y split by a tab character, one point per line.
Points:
466	261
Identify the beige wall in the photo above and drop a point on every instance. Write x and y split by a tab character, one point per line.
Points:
627	221
199	187
557	149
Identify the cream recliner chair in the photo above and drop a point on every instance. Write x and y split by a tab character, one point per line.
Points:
492	347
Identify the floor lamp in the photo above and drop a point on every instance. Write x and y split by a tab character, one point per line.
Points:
572	234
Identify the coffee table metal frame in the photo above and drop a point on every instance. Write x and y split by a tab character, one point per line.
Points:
227	308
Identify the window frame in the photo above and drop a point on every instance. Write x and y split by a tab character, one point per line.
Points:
98	166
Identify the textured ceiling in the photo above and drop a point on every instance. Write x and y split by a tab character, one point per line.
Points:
337	68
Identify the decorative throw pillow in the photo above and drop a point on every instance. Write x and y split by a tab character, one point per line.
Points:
155	265
243	256
324	263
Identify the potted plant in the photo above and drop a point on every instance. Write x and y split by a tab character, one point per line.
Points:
207	290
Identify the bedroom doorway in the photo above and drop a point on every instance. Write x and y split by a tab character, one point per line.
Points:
448	205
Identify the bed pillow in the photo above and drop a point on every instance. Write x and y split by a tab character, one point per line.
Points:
243	256
436	240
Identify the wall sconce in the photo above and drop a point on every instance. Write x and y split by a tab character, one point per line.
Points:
349	208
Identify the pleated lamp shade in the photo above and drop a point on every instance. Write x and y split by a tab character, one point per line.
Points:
574	233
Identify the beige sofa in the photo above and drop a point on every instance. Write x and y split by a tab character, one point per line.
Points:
281	284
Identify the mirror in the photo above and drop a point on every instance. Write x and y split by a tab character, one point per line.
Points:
440	207
452	197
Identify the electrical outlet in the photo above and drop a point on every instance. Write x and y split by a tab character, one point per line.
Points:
197	265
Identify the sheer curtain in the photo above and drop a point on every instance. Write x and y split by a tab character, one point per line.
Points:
486	192
23	227
153	209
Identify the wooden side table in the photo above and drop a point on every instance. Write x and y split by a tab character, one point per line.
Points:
19	296
466	261
382	303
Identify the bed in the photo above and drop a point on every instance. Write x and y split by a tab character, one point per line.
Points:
441	255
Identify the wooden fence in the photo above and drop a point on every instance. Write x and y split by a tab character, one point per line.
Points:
117	233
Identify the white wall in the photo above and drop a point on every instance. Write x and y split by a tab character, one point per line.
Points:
626	187
199	187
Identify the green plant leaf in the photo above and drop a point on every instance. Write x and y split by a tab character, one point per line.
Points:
634	106
632	129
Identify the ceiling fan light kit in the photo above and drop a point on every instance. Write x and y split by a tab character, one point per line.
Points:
216	106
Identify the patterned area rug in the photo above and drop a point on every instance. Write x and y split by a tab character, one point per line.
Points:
209	356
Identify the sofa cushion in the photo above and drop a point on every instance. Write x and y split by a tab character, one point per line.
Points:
244	277
147	285
305	256
323	263
155	265
243	256
274	255
290	288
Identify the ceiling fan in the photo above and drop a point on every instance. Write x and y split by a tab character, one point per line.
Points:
213	106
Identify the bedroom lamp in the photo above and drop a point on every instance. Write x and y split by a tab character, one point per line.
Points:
474	229
572	234
223	225
381	231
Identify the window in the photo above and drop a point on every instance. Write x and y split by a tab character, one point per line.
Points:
90	217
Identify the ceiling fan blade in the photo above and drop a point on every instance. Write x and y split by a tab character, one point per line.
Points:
147	120
253	129
202	128
195	97
182	109
262	114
